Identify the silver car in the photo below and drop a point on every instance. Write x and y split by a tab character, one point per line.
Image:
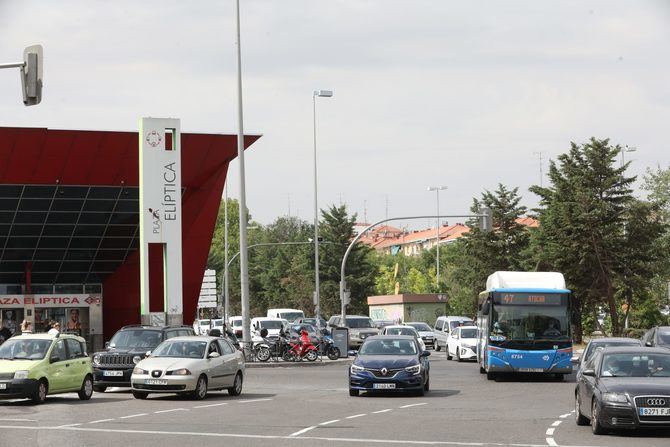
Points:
191	366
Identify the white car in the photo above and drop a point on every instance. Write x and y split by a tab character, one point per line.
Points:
236	325
404	330
425	332
462	343
201	327
191	366
273	325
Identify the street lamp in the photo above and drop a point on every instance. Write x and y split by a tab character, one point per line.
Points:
317	302
626	149
437	190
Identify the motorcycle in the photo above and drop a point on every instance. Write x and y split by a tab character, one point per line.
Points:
299	350
329	349
267	348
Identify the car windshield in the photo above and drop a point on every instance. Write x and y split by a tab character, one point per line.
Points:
217	323
388	347
664	338
308	327
291	316
421	327
236	322
635	365
204	323
24	349
455	324
271	324
401	331
358	323
468	333
136	338
606	344
181	349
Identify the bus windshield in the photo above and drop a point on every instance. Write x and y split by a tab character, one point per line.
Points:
530	322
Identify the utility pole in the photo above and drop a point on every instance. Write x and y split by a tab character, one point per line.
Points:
541	175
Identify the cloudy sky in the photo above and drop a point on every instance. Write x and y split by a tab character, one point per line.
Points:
427	92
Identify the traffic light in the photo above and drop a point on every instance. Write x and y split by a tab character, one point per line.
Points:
31	75
486	219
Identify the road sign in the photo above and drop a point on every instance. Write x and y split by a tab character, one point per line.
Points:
208	296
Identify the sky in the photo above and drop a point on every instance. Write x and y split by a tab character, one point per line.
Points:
463	94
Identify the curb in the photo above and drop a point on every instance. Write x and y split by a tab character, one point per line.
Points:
305	363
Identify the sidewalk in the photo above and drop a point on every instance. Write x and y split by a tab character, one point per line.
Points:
282	364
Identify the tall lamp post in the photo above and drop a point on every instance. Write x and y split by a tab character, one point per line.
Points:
317	301
624	150
437	190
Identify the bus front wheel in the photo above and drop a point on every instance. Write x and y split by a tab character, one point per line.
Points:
490	375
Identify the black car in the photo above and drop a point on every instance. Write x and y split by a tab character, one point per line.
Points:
390	363
624	388
657	336
114	365
605	342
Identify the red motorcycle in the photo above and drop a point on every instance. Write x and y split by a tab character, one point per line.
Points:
302	348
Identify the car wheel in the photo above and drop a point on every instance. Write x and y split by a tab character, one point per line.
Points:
86	390
596	427
438	347
426	387
40	393
580	419
236	389
99	389
481	370
200	391
458	355
446	348
140	395
353	393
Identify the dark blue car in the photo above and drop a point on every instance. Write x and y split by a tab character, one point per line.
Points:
390	363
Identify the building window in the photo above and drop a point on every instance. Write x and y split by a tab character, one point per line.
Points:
93	288
68	288
41	288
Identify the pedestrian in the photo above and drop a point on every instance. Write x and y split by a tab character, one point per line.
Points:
55	328
26	327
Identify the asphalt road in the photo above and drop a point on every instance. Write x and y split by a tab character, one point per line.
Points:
298	406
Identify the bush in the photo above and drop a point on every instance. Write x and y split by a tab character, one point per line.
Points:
633	332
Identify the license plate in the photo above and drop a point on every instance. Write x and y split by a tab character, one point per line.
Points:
112	373
155	381
654	411
383	386
531	370
3	386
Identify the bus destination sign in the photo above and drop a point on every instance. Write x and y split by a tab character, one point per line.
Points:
530	299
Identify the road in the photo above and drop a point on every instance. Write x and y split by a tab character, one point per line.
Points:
310	406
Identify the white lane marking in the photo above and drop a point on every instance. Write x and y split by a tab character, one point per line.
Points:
100	420
329	422
414	405
300	432
355	416
68	425
383	411
556	423
551	442
17	420
550	431
563	416
249	436
133	416
252	400
211	405
169	411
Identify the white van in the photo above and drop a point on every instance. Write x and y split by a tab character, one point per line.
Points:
289	315
445	325
273	325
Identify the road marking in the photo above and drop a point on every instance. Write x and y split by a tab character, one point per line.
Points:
551	442
355	416
249	436
252	400
68	425
100	420
556	423
330	422
550	431
383	411
17	420
563	416
133	416
166	411
414	405
211	405
300	432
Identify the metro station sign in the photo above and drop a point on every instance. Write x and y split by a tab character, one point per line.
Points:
75	300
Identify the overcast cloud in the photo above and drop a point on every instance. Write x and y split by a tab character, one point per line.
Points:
426	92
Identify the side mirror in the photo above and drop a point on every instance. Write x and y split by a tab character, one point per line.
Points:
148	353
425	354
106	345
213	355
352	353
54	359
589	372
486	307
649	344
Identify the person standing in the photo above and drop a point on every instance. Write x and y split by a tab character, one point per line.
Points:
26	327
55	328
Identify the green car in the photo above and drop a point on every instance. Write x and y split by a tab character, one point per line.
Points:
35	365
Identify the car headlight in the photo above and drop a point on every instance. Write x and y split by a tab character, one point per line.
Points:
96	359
23	374
140	371
355	369
137	359
615	397
179	372
414	370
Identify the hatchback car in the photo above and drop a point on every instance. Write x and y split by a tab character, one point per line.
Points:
190	366
36	365
390	363
425	332
624	388
462	343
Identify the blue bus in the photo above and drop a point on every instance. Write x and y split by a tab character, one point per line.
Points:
524	324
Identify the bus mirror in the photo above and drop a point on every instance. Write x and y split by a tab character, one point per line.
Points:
485	308
479	307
